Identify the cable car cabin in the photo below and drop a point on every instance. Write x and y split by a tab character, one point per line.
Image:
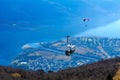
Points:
71	49
69	52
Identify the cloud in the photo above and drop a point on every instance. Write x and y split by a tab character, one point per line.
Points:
30	26
95	5
111	30
60	7
109	0
115	14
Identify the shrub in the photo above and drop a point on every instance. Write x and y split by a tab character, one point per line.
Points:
16	75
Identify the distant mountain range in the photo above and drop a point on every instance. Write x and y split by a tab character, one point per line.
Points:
50	56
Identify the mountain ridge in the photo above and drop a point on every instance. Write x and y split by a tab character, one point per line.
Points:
101	70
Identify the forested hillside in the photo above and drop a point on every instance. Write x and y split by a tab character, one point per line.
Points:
102	70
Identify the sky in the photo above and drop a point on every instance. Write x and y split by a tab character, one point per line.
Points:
111	30
28	21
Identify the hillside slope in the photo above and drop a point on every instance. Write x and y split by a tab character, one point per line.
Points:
102	70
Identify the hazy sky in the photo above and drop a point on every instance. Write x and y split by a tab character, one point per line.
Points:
26	21
51	16
111	30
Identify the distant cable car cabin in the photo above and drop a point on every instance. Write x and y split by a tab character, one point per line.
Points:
70	48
